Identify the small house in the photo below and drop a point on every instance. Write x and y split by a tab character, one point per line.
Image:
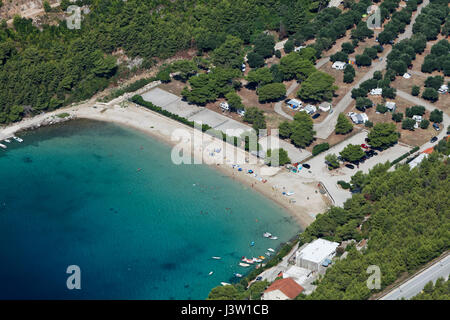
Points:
417	118
339	65
407	75
391	106
359	118
313	255
325	106
297	49
310	109
443	89
282	289
376	92
294	104
224	106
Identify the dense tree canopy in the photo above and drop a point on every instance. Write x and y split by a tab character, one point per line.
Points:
318	87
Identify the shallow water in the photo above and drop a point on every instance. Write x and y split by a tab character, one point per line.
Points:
108	199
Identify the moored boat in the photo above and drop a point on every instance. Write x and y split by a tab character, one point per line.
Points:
7	140
211	272
261	257
256	260
18	139
238	275
268	254
273	238
271	250
3	146
244	264
225	284
216	258
267	235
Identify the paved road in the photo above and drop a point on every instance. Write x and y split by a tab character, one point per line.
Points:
326	127
414	286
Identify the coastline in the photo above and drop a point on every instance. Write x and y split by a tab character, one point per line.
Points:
303	205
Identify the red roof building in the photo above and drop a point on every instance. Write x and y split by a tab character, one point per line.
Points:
283	289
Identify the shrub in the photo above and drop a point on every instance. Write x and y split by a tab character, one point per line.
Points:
397	117
415	91
430	94
408	124
381	108
424	124
320	148
344	185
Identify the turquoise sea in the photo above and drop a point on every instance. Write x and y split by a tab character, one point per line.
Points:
108	199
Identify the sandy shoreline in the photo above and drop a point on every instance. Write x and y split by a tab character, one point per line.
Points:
303	205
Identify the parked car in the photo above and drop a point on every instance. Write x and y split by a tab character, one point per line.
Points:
364	146
436	127
350	166
434	139
258	278
316	116
307	166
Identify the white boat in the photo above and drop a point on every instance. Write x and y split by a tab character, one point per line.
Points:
244	264
271	250
244	259
268	254
7	140
211	272
238	275
273	238
216	258
225	284
18	139
267	235
3	146
256	260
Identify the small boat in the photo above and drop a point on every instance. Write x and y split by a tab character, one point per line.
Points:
238	275
225	284
3	146
18	139
211	272
273	238
268	254
271	250
261	257
252	243
256	260
244	264
267	235
7	140
216	258
244	259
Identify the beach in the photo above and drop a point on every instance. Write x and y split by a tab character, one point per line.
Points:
303	203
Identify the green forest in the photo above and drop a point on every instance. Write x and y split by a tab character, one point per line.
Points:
46	69
404	215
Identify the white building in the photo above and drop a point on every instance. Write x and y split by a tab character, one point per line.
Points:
325	106
224	106
297	49
417	160
314	254
376	92
294	104
338	65
310	109
417	118
300	275
443	89
391	106
407	75
359	118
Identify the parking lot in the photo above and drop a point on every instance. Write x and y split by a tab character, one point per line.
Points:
176	105
329	178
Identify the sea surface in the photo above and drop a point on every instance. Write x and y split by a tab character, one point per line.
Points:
109	200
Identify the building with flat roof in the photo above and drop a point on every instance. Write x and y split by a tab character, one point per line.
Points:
282	289
391	106
299	274
314	254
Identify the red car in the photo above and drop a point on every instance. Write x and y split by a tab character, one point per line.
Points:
364	146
